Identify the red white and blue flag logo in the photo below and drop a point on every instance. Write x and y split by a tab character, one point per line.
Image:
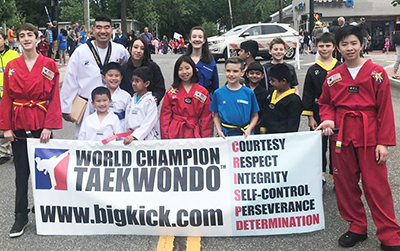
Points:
51	168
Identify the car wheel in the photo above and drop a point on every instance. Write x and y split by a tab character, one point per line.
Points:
291	52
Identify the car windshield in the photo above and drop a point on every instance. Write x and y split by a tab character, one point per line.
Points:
234	31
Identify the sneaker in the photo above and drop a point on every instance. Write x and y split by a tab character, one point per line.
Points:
349	239
390	248
18	228
4	160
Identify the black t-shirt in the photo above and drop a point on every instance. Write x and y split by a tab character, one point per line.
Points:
54	31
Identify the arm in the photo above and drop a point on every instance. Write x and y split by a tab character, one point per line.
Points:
158	84
53	119
294	115
82	131
326	111
70	86
206	120
165	116
253	123
149	121
217	123
308	100
6	109
215	79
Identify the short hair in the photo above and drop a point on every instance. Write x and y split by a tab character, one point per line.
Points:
144	73
55	23
189	60
101	90
102	19
346	31
27	27
250	46
277	40
111	66
325	38
3	35
341	19
235	60
279	72
255	66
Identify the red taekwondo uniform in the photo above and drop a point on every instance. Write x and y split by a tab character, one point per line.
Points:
186	115
31	102
362	110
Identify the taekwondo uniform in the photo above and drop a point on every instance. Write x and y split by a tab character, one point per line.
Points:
30	103
362	109
94	130
262	100
142	117
186	114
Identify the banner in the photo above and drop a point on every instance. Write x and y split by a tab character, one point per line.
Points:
262	185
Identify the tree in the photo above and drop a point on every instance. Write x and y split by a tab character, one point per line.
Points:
72	10
33	10
395	2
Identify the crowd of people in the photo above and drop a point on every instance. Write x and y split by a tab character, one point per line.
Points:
123	88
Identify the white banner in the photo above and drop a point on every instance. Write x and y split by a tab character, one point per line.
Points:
262	185
177	36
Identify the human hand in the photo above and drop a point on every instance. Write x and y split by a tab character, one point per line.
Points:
9	135
326	127
155	99
381	154
247	132
128	139
221	134
45	135
67	117
312	123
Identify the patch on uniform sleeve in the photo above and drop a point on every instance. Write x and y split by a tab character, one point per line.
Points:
200	96
11	72
334	79
47	73
173	90
377	76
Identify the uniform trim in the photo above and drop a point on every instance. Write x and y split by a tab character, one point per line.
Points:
325	67
275	100
307	113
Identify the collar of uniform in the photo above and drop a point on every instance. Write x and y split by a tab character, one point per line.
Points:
275	100
325	67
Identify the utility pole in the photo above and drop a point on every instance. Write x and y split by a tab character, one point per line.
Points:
86	11
123	17
311	18
280	11
230	13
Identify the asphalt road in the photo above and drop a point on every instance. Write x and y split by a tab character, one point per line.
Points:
320	240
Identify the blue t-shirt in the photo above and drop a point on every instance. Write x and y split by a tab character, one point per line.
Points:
63	41
84	37
234	107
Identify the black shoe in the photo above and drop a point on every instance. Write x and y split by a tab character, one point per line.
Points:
390	248
4	160
19	225
349	239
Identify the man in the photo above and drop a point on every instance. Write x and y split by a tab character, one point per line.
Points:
49	39
148	37
11	37
54	31
6	55
84	68
365	33
341	21
120	38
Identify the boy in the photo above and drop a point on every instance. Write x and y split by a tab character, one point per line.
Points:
102	124
315	77
277	49
356	98
112	77
43	46
248	52
235	106
284	107
255	74
142	112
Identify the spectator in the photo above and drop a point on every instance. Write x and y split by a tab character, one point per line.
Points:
365	33
120	38
147	37
11	37
49	39
82	38
165	45
341	22
62	48
72	40
396	41
54	31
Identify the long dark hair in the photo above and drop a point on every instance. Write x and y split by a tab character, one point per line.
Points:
146	55
187	59
206	55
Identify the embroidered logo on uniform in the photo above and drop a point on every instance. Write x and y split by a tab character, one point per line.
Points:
316	72
11	72
378	76
188	100
174	97
241	101
334	79
200	96
87	62
47	73
354	89
173	90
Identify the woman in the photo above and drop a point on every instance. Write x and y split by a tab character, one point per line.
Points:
30	107
204	60
140	56
62	47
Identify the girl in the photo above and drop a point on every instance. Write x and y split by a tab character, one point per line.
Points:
387	45
30	107
185	112
204	60
62	48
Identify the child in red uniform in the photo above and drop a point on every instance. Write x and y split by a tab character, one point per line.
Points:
30	107
185	112
43	46
356	98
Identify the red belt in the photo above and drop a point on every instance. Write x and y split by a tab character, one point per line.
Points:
191	122
361	113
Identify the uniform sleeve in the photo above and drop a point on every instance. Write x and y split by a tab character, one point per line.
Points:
6	104
118	127
326	109
308	95
293	81
82	130
158	88
206	120
254	103
215	79
214	103
165	116
125	57
53	119
294	115
70	86
148	122
385	116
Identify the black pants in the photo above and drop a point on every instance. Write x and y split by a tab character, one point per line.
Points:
22	171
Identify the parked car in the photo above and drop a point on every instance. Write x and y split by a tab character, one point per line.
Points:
263	33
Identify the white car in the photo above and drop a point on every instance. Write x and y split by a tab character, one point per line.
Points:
260	32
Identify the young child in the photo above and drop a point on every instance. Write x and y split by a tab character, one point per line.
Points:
277	49
255	74
112	77
234	105
142	113
315	77
103	123
356	98
185	112
387	45
43	46
248	52
284	107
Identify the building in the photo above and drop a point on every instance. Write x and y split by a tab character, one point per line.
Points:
380	15
287	15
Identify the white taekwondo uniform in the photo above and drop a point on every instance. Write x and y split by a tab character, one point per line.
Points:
93	129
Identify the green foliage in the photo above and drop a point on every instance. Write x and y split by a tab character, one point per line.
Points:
210	28
72	10
7	10
395	2
32	11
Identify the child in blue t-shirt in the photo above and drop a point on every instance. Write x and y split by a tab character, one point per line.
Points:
234	105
